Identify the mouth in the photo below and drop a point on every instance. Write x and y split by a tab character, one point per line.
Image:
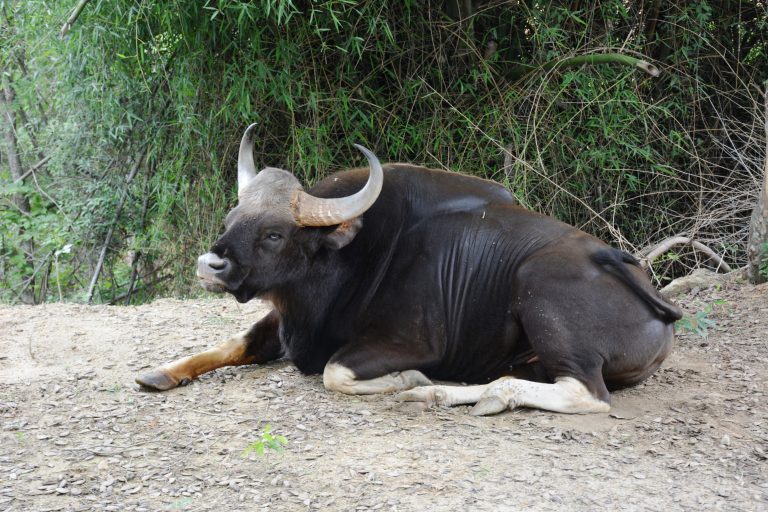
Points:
211	285
211	282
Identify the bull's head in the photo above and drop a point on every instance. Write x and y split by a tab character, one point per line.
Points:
276	228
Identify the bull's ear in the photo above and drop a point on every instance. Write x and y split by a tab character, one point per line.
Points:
343	234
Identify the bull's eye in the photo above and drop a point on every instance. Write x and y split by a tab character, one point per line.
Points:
274	237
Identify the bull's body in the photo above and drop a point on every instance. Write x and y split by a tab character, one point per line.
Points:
416	279
446	278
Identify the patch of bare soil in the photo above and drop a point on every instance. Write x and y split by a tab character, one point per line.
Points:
77	434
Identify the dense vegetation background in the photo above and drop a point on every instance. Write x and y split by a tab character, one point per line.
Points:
125	129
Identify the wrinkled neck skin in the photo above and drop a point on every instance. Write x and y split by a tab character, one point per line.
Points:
315	311
306	309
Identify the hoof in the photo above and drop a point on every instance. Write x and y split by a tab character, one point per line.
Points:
157	380
488	406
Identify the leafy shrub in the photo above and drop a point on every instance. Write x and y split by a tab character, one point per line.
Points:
630	158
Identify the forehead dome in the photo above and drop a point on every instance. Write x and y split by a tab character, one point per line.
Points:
270	182
272	189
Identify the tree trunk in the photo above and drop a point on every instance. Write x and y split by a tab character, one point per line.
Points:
14	162
757	248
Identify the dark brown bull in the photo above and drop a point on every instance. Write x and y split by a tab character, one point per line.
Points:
382	280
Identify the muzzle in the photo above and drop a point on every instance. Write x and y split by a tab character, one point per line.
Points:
210	269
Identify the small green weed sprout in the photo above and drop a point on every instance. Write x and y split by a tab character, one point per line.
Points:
764	260
268	441
181	503
699	323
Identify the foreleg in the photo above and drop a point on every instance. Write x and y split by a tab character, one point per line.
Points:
367	368
258	344
342	379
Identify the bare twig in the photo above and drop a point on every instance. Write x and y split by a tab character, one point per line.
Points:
109	450
32	169
508	161
30	280
118	211
134	289
138	256
669	243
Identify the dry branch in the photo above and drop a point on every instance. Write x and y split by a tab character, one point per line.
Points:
133	289
108	238
32	169
669	243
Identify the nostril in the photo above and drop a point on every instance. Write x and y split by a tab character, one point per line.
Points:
212	262
218	265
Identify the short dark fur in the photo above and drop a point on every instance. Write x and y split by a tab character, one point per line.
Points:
448	276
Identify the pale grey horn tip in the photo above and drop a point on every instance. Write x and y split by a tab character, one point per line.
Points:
246	139
367	152
249	129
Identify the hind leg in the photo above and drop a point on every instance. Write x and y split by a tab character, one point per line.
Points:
565	395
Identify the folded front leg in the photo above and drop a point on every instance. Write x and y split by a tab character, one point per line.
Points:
367	368
342	379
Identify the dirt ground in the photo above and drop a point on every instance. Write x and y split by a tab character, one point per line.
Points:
77	434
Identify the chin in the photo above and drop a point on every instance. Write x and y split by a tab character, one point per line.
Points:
242	296
211	286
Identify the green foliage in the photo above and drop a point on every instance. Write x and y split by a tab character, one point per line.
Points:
268	441
181	503
629	158
699	323
764	261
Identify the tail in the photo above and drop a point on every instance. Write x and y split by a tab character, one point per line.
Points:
616	261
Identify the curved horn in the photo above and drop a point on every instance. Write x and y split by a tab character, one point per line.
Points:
314	211
246	168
